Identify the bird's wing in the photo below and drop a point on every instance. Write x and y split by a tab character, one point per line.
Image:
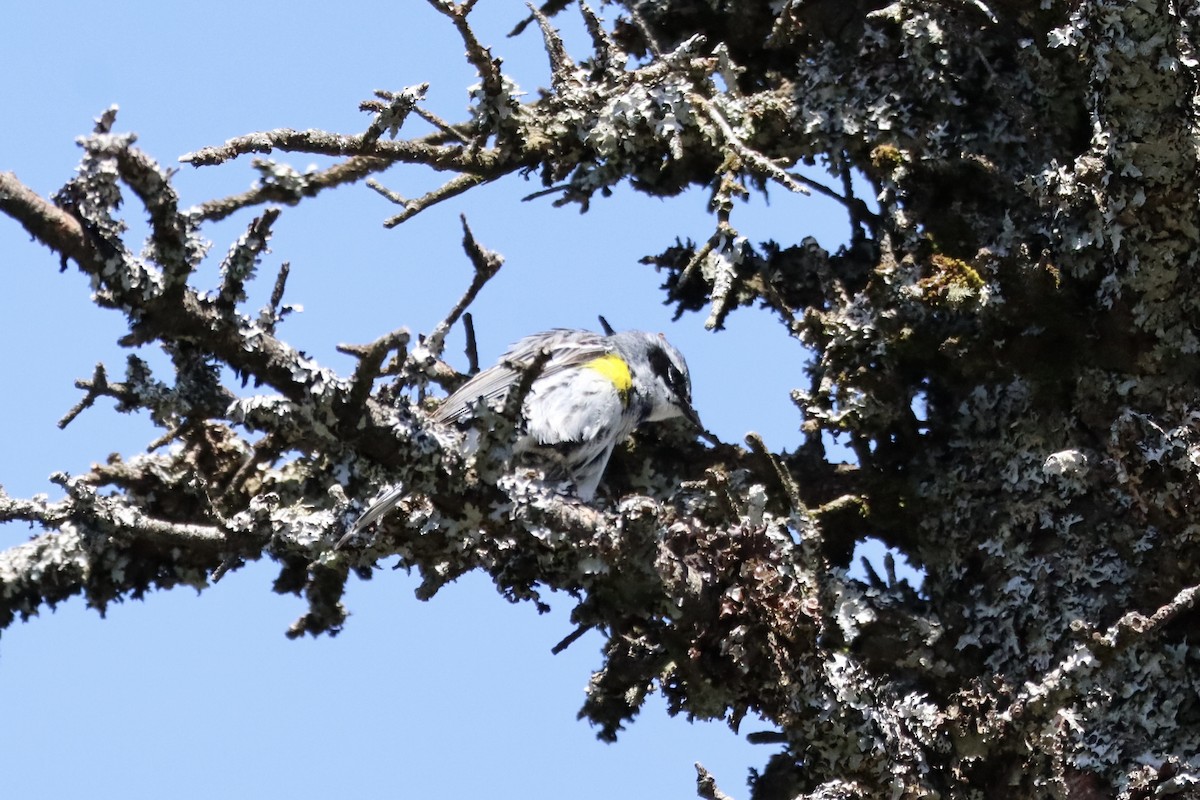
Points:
382	506
491	383
569	349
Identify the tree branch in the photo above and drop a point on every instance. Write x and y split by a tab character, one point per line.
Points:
44	222
281	184
481	162
1060	685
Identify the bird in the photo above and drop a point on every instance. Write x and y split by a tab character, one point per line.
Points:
591	392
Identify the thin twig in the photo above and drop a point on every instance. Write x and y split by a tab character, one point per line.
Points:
391	195
472	348
777	302
561	187
370	359
175	249
96	387
487	263
764	164
607	54
238	265
570	639
445	127
723	230
480	160
706	785
651	41
290	193
392	109
1060	683
561	65
230	562
175	432
529	373
280	283
451	188
791	489
480	57
271	314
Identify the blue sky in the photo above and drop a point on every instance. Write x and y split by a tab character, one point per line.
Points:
200	696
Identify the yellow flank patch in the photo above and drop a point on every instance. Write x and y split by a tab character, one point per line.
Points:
613	367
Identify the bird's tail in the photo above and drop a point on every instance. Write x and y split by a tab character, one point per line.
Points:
390	499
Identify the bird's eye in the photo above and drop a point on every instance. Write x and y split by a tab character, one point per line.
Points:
674	378
678	383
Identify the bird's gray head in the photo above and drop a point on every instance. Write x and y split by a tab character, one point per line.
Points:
660	373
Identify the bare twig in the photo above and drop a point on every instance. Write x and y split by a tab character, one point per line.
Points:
177	532
561	187
172	433
873	579
472	348
451	188
391	195
452	131
777	302
230	562
280	283
487	263
96	387
272	313
529	373
570	639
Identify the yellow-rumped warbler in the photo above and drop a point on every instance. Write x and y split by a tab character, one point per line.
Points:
591	393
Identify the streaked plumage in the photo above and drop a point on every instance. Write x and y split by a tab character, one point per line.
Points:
590	395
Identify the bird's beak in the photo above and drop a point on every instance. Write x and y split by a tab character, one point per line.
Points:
690	415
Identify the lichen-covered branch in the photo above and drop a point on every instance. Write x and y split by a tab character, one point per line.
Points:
1007	343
